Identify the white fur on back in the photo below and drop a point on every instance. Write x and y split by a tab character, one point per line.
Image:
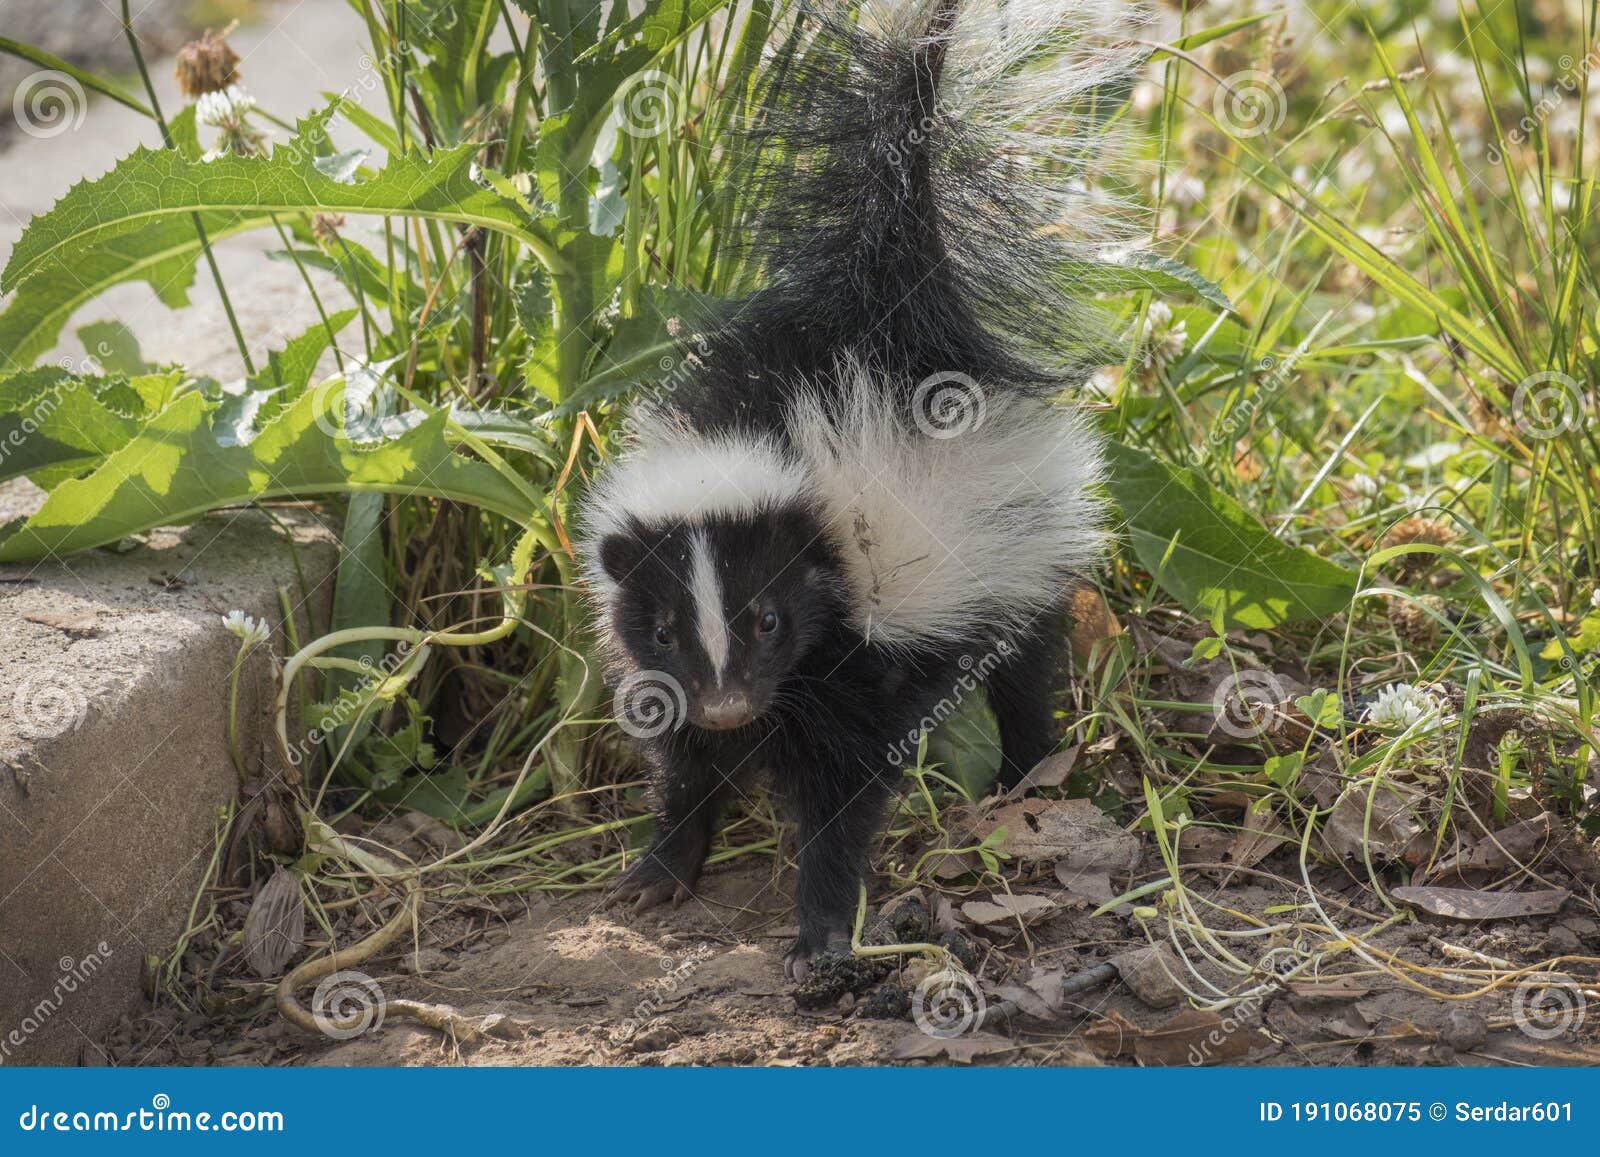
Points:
938	535
937	532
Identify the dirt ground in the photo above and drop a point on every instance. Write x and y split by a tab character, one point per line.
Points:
566	982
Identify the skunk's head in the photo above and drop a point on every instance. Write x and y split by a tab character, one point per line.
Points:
724	608
713	575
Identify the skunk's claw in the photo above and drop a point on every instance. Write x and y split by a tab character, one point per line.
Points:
646	890
797	961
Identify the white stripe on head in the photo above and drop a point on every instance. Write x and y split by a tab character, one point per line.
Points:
706	589
671	473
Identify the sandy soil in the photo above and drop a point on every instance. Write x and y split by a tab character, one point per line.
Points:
566	982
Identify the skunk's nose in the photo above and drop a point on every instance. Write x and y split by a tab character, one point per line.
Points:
730	711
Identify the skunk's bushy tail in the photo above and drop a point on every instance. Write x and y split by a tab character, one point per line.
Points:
925	172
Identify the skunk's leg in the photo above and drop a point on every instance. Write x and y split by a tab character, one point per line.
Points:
838	820
1022	694
688	791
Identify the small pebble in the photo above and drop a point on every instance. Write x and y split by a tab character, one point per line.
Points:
1464	1029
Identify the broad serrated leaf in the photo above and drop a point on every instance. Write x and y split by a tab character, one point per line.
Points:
162	254
53	420
154	184
177	468
290	368
1213	555
114	346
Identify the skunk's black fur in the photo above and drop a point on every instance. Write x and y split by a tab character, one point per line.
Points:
863	507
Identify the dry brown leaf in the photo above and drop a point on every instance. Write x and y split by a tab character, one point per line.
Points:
1045	983
1063	829
1471	904
1028	1002
1335	988
1151	973
953	865
79	625
1085	888
1259	836
1516	846
1192	1037
1391	829
1199	844
1002	908
1092	624
275	928
1051	771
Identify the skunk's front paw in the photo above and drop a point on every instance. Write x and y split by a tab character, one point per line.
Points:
646	885
797	961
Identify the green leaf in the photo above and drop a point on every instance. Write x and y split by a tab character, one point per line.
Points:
1212	555
161	253
1284	770
567	136
53	420
151	185
1322	707
1206	35
290	369
113	345
967	744
177	467
1138	270
1586	640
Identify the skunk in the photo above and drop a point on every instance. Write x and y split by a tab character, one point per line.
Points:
868	495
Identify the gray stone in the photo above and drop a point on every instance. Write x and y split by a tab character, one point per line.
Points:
114	764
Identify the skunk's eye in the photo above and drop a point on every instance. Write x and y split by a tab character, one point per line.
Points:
663	637
768	623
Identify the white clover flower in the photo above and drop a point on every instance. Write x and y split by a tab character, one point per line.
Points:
225	109
1365	485
1161	342
250	631
1594	599
1399	706
1104	381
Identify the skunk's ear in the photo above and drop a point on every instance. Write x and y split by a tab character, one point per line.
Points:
620	555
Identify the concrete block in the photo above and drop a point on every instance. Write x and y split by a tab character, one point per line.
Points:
114	764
